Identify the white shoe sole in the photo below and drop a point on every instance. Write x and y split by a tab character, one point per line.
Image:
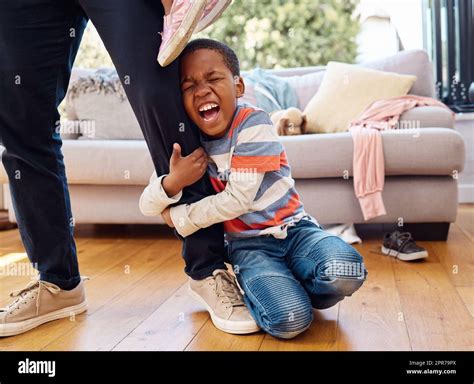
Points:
405	256
11	329
181	37
216	12
235	327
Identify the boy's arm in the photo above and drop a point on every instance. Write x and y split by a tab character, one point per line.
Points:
154	198
257	151
167	189
234	201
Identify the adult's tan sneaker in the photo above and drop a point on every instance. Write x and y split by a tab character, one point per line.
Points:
38	303
221	296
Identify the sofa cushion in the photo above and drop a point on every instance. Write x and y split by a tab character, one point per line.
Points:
107	162
421	199
427	151
306	86
431	116
98	102
306	81
414	62
346	91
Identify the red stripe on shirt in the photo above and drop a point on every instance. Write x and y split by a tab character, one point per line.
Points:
236	226
284	212
241	116
217	184
255	163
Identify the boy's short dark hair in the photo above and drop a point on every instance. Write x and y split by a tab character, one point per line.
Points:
230	58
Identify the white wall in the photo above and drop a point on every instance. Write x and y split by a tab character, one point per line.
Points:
383	22
464	125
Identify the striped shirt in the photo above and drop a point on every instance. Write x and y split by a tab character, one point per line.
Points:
249	170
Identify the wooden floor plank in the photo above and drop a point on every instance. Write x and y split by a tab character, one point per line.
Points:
456	256
321	336
467	296
435	316
422	305
106	282
465	220
10	241
170	328
106	327
91	262
209	338
372	318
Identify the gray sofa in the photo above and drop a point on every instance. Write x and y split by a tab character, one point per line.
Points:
107	176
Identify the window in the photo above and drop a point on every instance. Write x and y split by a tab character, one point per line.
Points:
449	39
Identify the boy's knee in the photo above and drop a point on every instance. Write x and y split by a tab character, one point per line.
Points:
285	307
344	270
289	322
342	273
334	290
347	286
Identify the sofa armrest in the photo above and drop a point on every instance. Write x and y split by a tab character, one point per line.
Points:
424	117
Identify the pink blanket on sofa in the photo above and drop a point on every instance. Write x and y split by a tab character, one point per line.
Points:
368	160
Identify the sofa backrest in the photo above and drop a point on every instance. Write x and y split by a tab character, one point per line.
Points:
307	80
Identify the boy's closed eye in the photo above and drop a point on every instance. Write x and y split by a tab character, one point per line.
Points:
212	77
186	86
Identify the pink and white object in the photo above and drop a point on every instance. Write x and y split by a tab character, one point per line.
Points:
368	160
178	26
213	10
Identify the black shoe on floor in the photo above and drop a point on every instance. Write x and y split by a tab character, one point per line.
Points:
402	246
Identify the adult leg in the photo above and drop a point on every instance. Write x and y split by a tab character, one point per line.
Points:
37	50
38	43
328	268
276	299
129	30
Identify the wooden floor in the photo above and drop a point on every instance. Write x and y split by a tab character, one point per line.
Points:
138	301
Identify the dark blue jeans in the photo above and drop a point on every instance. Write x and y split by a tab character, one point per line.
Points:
38	43
283	279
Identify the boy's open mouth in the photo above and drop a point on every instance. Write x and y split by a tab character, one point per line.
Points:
209	111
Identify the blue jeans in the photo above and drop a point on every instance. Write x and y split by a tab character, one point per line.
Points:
284	279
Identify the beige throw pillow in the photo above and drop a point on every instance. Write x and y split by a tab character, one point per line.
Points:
346	91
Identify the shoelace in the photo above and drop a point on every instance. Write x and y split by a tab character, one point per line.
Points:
23	293
227	287
405	237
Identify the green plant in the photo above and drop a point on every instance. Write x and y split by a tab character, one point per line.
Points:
282	33
269	34
92	53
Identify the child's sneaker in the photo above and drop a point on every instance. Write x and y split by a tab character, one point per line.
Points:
221	296
402	246
178	27
212	12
